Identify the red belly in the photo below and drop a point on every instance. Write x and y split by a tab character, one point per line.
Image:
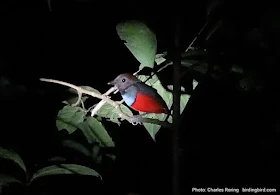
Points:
144	103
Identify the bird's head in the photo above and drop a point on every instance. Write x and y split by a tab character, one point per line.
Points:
123	81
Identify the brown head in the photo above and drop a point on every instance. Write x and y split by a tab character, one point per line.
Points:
123	81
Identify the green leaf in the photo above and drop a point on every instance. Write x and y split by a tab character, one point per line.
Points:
183	101
168	98
13	156
110	112
85	128
149	82
153	128
160	58
64	169
76	146
73	100
69	117
140	41
90	89
195	83
6	179
56	159
94	131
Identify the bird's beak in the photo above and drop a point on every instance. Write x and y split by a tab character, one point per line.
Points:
111	82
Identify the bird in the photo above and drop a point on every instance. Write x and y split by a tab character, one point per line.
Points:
138	95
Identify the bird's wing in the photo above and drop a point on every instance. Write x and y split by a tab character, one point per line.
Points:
148	90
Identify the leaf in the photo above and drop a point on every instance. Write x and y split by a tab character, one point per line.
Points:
73	100
168	98
149	82
183	100
94	131
76	146
64	169
153	128
85	128
57	159
160	58
6	179
110	112
90	89
69	117
170	87
195	83
140	41
13	156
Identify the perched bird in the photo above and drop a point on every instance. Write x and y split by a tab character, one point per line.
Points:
138	95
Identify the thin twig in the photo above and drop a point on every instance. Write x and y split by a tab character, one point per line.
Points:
201	30
188	48
79	99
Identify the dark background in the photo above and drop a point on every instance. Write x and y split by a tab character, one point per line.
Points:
229	138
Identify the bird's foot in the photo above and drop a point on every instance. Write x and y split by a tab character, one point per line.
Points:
136	120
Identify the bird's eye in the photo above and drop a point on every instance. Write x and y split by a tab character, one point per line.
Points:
123	80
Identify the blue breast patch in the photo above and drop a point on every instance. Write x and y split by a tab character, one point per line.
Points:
129	95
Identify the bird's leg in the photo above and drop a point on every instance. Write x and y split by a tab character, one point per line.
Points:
137	119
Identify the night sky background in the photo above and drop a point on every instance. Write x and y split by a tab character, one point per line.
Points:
229	138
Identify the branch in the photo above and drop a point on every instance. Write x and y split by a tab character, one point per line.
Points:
102	102
137	119
176	107
168	63
49	4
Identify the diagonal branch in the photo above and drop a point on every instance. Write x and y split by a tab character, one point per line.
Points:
137	119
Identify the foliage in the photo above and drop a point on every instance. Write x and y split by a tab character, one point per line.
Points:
142	43
58	169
